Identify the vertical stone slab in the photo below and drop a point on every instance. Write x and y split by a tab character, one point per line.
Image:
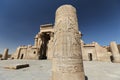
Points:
67	57
5	54
115	52
18	52
50	47
36	41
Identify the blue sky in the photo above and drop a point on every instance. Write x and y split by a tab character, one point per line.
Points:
99	20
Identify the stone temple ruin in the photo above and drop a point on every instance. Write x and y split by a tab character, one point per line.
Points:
64	40
62	44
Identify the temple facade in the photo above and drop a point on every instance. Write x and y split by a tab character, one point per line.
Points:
43	48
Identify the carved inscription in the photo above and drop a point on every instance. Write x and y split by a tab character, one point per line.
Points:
69	65
67	48
70	68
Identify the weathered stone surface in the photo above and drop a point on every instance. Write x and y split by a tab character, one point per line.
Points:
67	56
115	52
17	66
5	54
50	47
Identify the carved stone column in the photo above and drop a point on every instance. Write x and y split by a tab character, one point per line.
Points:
67	57
36	41
50	47
5	54
115	52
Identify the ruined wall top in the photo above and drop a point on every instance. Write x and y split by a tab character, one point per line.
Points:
46	28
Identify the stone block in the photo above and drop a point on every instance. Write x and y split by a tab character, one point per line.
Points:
17	66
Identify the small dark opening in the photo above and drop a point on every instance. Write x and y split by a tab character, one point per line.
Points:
34	52
86	78
111	58
22	56
90	56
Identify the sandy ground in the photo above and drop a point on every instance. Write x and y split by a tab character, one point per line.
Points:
102	70
41	70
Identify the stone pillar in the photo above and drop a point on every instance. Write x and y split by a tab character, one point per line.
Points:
50	47
36	40
67	57
18	52
5	54
115	52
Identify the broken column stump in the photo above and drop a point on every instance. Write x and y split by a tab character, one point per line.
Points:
5	54
115	52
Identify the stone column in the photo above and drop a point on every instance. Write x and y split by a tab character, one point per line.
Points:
18	52
67	57
5	54
36	41
50	47
115	52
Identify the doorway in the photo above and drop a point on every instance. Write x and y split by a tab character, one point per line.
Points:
111	58
90	56
22	56
44	46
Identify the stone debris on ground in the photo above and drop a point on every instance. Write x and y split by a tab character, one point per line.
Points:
16	66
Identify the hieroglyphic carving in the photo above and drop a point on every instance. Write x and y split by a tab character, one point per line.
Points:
67	24
68	66
66	28
67	58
